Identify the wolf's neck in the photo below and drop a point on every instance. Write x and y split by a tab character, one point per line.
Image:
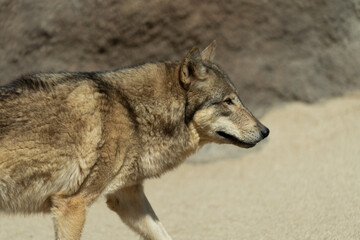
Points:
163	154
158	102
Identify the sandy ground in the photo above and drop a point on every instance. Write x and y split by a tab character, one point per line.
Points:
301	183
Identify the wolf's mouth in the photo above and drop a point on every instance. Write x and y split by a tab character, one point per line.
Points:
234	139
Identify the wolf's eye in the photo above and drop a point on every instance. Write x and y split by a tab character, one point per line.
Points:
229	101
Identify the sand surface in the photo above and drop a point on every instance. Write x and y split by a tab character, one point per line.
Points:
301	183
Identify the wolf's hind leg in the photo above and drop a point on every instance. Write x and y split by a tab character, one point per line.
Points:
135	210
69	216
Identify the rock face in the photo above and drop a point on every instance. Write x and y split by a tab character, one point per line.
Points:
273	50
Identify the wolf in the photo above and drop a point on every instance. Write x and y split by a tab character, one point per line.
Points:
68	138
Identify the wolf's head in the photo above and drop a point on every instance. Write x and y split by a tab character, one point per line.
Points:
213	105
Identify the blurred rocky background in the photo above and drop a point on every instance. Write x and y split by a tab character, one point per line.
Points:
274	51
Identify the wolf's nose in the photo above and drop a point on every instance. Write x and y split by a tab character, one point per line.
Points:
265	132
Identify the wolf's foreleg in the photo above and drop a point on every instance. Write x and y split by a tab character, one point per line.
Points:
135	210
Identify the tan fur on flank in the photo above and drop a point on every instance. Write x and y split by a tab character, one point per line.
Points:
67	138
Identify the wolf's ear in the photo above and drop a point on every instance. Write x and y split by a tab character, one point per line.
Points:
209	52
191	68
